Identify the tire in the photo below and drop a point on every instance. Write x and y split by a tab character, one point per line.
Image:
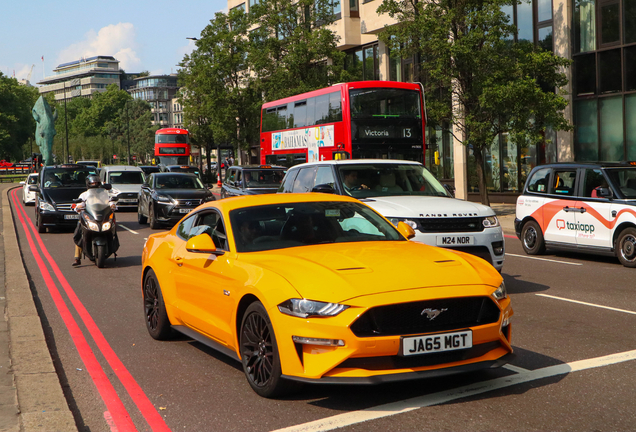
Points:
100	256
626	247
259	354
140	217
152	219
38	222
532	238
157	321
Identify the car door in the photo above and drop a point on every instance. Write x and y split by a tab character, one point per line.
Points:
144	195
593	212
559	208
204	282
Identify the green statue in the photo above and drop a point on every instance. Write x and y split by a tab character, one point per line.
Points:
45	130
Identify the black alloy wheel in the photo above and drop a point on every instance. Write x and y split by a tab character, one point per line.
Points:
626	250
157	321
532	238
259	354
38	223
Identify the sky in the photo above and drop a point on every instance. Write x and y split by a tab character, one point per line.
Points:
142	35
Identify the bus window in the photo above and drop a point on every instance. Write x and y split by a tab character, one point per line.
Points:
322	109
335	108
300	114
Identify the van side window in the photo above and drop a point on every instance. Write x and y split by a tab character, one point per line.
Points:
563	183
539	181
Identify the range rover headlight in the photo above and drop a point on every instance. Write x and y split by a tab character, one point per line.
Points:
500	293
491	221
46	206
409	222
304	308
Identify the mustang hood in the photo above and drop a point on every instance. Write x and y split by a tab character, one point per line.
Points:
421	206
339	272
62	194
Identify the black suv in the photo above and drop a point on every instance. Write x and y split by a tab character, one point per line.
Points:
58	186
252	180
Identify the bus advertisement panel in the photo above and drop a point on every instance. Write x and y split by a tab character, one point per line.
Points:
360	120
172	146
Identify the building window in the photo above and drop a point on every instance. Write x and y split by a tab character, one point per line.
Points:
364	62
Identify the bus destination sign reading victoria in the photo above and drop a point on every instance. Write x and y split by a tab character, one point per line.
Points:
311	137
388	131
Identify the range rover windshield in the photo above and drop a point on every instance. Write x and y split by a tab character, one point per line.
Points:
624	181
389	179
67	176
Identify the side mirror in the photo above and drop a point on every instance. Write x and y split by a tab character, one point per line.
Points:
202	244
405	230
22	182
107	186
33	188
604	192
324	188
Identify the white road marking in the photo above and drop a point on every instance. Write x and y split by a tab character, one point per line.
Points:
514	368
544	259
401	407
127	229
588	304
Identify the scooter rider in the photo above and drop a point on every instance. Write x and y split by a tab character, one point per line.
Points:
92	181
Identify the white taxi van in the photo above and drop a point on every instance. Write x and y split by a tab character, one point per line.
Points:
586	207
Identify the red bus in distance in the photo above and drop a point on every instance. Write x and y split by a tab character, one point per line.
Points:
172	146
356	120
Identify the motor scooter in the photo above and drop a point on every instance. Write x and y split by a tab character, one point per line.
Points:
98	226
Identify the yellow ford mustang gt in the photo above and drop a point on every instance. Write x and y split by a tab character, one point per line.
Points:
321	288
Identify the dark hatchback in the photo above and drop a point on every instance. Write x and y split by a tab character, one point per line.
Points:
252	180
58	186
168	196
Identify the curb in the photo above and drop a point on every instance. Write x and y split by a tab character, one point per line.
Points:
41	405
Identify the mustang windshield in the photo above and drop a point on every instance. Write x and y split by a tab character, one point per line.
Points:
389	179
282	226
624	180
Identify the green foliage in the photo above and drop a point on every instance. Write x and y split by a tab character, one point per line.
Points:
475	77
104	108
17	125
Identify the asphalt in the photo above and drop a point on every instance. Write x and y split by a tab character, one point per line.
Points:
31	396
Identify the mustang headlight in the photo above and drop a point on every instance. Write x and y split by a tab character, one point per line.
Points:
304	308
46	206
491	222
500	293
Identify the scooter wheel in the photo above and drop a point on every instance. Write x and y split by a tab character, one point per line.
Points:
100	256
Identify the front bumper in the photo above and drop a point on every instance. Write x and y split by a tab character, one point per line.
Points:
169	212
29	197
370	360
518	227
58	218
484	247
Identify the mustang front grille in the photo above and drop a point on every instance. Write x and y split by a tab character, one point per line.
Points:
426	317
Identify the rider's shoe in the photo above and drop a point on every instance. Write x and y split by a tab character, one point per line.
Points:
76	262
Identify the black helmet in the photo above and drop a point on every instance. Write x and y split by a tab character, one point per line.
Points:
92	181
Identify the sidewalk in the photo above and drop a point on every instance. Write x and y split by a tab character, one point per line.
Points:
506	215
31	397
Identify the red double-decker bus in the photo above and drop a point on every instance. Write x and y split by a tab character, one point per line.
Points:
359	120
172	146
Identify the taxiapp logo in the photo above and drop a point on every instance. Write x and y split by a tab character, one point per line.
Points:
560	224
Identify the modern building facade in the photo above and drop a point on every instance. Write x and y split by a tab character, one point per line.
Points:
160	92
82	78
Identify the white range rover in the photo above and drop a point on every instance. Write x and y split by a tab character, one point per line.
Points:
406	191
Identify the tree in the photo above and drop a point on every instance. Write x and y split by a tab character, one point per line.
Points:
134	122
476	78
17	125
104	108
293	49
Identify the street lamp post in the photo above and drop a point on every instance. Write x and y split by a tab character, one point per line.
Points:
128	130
66	122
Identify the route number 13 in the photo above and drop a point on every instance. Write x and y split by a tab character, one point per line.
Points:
406	133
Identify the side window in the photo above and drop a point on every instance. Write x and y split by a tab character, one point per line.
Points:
288	181
324	175
231	175
305	180
151	180
184	228
211	223
564	182
593	180
539	181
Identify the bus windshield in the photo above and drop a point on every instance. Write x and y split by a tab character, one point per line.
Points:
171	139
389	179
385	103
